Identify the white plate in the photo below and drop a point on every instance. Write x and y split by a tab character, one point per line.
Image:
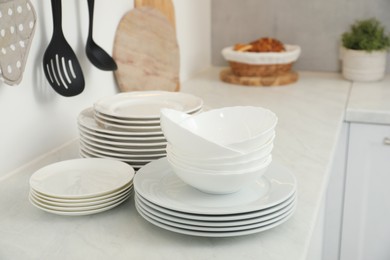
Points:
111	119
201	223
157	183
133	162
146	104
215	234
78	213
71	208
123	149
87	120
215	229
218	218
126	144
123	138
130	156
81	178
129	128
77	203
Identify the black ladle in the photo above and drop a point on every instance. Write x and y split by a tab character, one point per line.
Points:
60	64
95	53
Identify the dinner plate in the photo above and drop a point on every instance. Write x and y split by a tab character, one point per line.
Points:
123	138
123	149
78	213
127	144
151	156
215	234
215	229
87	120
218	218
77	208
78	203
232	223
146	104
133	162
81	178
111	119
128	128
157	183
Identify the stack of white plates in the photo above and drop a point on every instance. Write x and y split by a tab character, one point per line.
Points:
166	201
126	126
81	186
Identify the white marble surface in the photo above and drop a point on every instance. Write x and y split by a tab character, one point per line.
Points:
310	116
369	102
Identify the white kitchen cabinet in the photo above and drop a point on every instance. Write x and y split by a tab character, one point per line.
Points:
366	217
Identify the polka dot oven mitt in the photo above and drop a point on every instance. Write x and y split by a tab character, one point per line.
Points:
17	26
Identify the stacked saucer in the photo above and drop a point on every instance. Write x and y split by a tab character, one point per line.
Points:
81	186
166	201
126	126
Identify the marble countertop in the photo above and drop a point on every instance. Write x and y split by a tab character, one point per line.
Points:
310	112
369	102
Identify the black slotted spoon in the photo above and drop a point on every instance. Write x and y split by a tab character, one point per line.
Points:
60	64
96	55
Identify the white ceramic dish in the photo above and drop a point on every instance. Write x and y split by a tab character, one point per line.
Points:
87	201
212	228
111	119
81	178
242	128
219	182
157	183
146	104
133	162
126	150
78	213
215	234
246	216
201	223
260	152
290	55
124	147
128	128
77	208
147	156
181	137
237	167
86	119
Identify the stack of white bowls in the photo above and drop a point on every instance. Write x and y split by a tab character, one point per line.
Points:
220	151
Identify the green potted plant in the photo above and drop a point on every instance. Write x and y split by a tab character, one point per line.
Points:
364	51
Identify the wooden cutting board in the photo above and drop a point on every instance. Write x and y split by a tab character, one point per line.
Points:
227	75
146	51
164	6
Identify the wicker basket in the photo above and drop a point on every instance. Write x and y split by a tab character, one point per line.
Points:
252	70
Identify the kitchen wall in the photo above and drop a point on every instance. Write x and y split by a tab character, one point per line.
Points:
34	119
315	25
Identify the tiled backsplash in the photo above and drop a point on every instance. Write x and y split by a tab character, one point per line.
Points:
315	25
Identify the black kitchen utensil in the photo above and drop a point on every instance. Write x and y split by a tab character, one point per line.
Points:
95	53
60	64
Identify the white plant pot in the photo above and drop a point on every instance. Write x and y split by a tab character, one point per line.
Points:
363	65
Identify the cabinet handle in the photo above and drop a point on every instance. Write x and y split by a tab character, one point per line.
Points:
386	141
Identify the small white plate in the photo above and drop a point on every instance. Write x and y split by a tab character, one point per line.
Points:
218	218
81	178
201	223
122	138
147	156
146	104
77	208
128	128
157	183
111	119
87	120
215	234
78	213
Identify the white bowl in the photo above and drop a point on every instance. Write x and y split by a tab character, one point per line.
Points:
259	152
189	142
221	166
241	128
219	182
